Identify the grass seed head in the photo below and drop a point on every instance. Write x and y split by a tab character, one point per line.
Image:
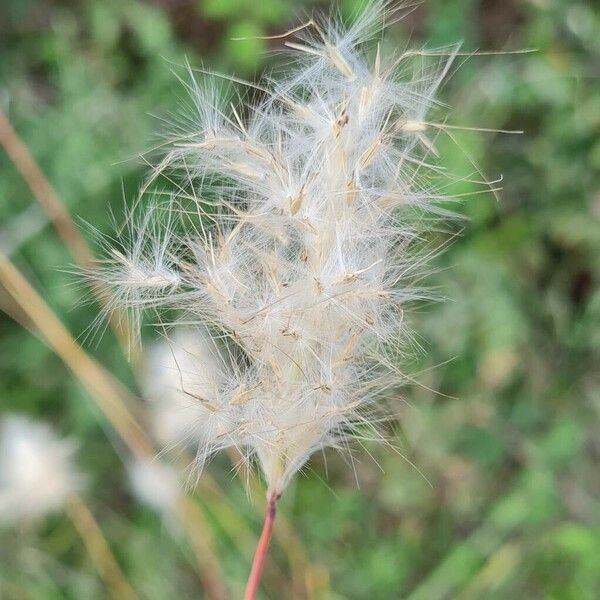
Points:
291	238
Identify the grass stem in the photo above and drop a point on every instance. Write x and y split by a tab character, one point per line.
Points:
50	201
97	546
262	549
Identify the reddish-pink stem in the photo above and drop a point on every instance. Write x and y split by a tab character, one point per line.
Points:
261	549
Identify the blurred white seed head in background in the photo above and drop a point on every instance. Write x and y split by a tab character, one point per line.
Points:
178	370
156	484
292	237
37	471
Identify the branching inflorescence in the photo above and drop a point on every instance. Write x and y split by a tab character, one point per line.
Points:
290	241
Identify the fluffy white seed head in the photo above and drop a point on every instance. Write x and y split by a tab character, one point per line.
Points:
297	218
37	473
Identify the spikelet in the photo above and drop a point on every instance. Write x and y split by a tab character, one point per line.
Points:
138	270
296	221
37	473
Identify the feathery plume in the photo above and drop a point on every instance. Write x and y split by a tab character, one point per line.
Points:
291	238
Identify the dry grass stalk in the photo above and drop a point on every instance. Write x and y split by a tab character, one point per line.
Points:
55	209
107	393
99	549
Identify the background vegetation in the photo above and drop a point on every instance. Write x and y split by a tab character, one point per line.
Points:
508	439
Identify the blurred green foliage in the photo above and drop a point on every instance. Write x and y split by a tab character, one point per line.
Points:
509	503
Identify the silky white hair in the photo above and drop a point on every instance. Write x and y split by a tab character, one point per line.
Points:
37	471
291	238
